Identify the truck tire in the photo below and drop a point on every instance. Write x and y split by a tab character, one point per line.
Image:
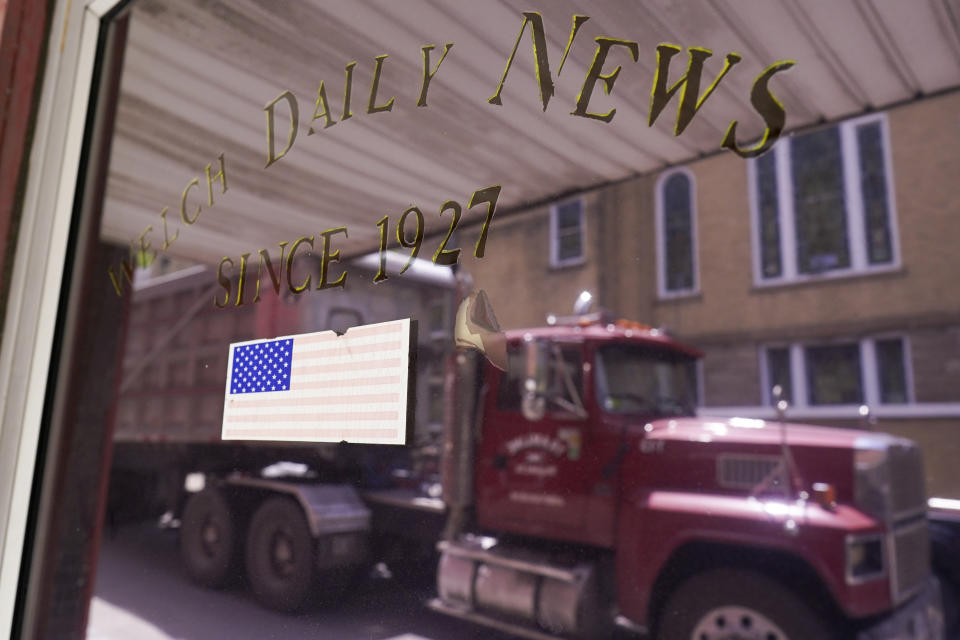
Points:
207	538
744	603
945	548
950	592
279	555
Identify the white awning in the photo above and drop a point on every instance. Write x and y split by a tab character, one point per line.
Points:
198	75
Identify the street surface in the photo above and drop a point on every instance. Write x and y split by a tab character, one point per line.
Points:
142	592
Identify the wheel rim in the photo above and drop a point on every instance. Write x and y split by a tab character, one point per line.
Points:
281	554
210	538
736	623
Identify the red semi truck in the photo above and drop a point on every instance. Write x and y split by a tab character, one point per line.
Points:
580	492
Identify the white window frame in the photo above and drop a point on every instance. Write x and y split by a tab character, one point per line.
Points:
660	229
870	381
853	199
33	301
555	260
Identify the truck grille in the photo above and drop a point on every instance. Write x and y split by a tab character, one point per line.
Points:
911	559
907	492
744	471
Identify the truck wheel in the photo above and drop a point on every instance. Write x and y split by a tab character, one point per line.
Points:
731	603
951	607
280	555
207	538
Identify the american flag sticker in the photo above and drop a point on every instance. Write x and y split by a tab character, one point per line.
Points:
321	387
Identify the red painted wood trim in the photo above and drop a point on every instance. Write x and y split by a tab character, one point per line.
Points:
24	35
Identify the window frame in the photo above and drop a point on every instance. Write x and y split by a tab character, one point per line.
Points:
853	199
660	225
55	211
555	260
505	405
870	378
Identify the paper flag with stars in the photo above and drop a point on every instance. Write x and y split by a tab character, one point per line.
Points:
321	387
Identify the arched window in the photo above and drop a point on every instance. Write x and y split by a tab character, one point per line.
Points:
676	231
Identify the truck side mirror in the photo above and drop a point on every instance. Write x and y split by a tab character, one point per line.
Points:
534	383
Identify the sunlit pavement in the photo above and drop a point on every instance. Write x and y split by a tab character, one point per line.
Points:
109	622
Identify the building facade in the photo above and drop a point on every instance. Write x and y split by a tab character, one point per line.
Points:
827	266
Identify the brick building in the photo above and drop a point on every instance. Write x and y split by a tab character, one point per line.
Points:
828	266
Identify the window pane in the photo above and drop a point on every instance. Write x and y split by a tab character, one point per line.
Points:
891	371
508	395
833	374
678	229
821	216
778	368
873	184
569	230
645	381
436	403
693	382
568	216
569	246
769	212
564	375
437	318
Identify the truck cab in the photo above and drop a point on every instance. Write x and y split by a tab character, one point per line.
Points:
602	498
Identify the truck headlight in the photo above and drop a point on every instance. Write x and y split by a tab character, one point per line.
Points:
864	558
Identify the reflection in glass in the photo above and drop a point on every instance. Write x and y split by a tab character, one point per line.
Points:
891	371
819	206
645	381
833	374
769	208
778	368
873	183
569	238
678	229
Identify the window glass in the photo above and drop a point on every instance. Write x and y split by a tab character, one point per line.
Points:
564	380
819	205
778	368
769	214
274	173
873	183
568	240
436	399
678	231
833	374
838	218
891	371
341	319
638	380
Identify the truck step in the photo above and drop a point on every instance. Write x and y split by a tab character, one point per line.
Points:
528	566
478	618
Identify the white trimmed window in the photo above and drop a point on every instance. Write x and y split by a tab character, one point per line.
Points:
822	204
873	371
676	224
567	230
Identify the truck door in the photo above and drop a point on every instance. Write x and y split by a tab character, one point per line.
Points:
533	477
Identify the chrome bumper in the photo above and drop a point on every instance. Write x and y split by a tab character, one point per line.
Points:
921	618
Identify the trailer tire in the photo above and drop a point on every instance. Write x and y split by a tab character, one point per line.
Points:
207	538
950	593
279	555
722	601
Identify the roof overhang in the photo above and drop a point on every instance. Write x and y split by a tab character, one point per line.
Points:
198	76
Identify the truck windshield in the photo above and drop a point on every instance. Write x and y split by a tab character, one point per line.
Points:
647	381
